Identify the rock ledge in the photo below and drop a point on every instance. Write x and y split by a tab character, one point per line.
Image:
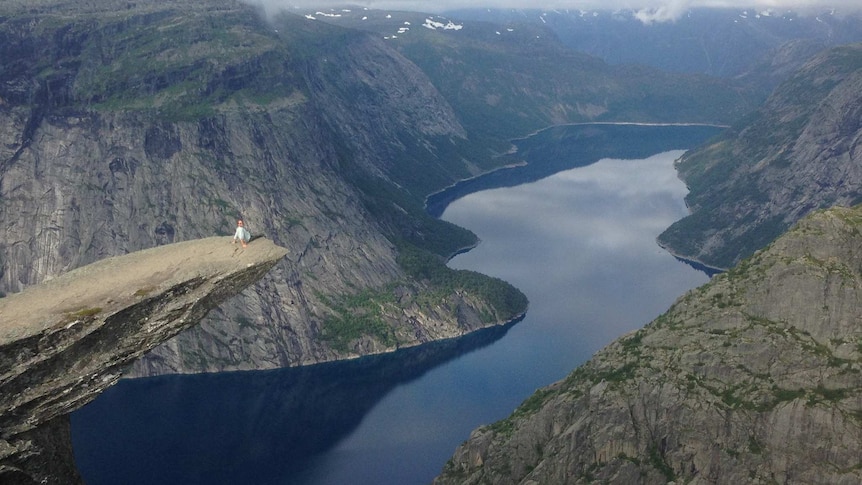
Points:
66	340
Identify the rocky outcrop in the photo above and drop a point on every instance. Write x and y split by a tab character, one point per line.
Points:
755	377
126	126
799	152
66	340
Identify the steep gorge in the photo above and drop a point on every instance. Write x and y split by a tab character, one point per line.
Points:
756	376
129	125
132	125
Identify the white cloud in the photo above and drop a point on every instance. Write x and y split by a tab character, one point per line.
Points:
671	10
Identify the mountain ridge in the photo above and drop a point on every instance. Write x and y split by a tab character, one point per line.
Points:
723	42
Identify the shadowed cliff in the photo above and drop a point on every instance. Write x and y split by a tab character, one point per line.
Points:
66	340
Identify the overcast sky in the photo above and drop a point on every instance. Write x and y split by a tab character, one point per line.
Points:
648	9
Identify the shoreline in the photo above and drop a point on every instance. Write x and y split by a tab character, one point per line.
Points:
709	270
471	178
463	250
694	263
521	163
620	123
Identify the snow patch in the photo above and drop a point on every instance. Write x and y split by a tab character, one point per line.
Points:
434	25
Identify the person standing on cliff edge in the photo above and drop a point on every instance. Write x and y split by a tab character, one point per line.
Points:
241	234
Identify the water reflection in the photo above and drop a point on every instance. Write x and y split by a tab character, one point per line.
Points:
562	148
594	271
242	427
581	245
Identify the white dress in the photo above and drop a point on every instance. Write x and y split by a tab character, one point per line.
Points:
241	234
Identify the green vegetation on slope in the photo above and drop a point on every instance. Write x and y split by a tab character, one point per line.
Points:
769	342
358	315
181	60
506	300
424	244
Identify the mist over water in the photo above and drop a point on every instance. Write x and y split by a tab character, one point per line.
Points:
580	244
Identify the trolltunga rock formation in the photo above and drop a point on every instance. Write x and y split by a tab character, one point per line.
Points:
66	340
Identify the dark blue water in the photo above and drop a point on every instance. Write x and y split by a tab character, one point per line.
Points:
581	245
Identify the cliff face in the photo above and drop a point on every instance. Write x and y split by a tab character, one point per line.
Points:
127	126
64	341
755	377
797	153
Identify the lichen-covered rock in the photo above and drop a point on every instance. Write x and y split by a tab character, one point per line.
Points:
755	377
